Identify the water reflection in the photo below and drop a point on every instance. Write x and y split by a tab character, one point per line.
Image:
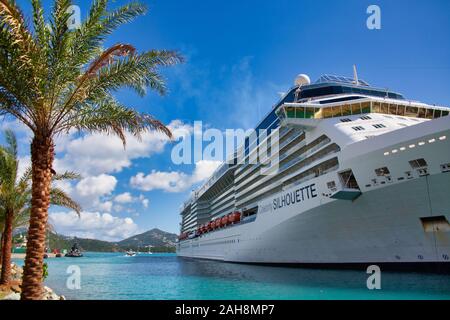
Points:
349	279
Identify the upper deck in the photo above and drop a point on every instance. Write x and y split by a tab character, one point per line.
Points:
330	97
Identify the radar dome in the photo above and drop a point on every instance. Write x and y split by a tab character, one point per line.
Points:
302	79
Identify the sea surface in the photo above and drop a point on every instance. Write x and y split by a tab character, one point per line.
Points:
166	276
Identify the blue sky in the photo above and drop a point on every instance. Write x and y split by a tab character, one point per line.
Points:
239	56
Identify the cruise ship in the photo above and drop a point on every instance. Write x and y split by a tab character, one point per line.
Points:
361	175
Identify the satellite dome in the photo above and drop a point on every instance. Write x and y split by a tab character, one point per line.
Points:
302	79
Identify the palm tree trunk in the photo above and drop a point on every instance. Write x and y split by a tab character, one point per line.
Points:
1	247
42	155
7	246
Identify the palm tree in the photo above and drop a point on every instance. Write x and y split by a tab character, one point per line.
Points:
54	79
15	198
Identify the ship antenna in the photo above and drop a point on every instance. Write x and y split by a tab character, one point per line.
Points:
355	75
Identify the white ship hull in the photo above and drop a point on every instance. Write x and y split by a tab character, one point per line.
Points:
385	224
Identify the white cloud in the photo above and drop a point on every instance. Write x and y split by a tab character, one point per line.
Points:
125	197
103	226
174	181
92	192
99	153
105	206
96	186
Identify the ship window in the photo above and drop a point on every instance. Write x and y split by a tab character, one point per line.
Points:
327	112
411	111
392	109
346	110
401	110
309	112
358	128
346	120
379	126
290	112
250	212
381	172
444	113
418	163
365	106
356	108
337	112
384	108
376	107
437	113
421	113
366	118
429	114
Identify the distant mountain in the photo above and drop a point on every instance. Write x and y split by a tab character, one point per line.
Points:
153	238
63	242
158	240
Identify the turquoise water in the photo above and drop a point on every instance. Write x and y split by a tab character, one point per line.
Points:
166	276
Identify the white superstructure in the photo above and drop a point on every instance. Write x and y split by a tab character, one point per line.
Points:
362	175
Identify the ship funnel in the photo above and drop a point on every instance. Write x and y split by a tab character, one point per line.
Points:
302	79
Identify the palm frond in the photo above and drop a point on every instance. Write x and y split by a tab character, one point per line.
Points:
68	175
112	117
12	19
59	198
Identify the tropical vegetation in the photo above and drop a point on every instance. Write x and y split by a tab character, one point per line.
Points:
15	199
55	79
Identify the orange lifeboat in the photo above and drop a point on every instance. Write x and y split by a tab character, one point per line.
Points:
224	221
234	217
217	223
210	226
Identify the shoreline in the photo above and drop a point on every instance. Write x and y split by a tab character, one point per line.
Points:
12	290
22	255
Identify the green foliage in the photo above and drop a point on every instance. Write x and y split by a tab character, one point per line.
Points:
45	271
15	191
54	79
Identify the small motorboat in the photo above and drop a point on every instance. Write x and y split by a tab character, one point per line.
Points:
130	253
74	252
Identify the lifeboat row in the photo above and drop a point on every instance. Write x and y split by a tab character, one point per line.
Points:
218	223
183	236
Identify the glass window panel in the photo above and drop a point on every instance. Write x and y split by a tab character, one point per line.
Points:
437	113
411	111
444	113
421	113
327	112
392	109
384	108
290	111
376	107
337	111
300	112
356	108
365	106
346	110
309	112
401	110
429	113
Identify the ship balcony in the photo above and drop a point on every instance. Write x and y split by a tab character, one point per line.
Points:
299	115
346	189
